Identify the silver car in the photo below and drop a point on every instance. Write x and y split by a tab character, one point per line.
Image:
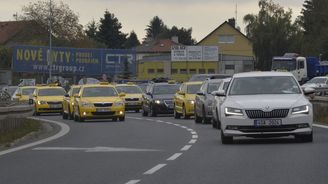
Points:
265	104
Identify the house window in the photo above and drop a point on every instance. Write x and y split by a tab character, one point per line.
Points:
201	71
160	70
226	39
230	67
192	71
151	71
174	71
183	71
211	71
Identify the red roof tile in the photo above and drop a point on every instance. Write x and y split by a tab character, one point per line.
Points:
9	29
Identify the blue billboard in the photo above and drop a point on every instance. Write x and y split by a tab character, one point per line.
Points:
76	61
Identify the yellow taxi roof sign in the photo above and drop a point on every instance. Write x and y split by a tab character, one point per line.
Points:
104	83
171	81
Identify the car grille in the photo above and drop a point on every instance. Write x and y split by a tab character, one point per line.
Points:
131	99
54	103
276	113
250	129
103	113
103	104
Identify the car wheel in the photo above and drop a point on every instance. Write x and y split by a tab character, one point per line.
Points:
121	118
185	116
176	114
206	120
214	124
137	111
305	138
198	119
65	115
144	113
226	139
152	112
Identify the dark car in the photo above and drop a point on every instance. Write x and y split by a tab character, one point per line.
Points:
203	77
158	98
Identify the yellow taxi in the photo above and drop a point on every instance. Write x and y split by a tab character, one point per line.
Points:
133	96
99	101
68	102
184	99
48	99
24	93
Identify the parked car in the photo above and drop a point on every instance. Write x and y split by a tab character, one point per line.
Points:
184	99
203	77
265	104
317	83
218	100
159	98
204	100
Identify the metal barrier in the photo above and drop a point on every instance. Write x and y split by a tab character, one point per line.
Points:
321	91
12	117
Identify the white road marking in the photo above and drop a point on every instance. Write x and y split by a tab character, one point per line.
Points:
192	141
194	136
95	149
149	119
194	133
186	147
133	182
64	130
190	129
138	118
184	127
154	169
160	121
169	123
320	126
174	156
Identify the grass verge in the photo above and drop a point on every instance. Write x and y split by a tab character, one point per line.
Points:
28	126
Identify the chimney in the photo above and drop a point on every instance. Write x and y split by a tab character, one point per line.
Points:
175	39
232	22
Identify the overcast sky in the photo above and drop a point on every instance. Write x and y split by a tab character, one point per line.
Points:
202	15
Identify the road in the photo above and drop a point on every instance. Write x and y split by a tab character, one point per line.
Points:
162	150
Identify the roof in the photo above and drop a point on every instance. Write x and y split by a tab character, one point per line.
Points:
156	46
261	74
224	23
27	87
120	85
97	85
9	29
193	83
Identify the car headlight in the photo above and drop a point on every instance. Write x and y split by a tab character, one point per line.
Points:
86	104
192	102
42	102
301	110
157	101
119	103
229	111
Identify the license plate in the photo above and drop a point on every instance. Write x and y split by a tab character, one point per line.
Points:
55	106
267	122
102	110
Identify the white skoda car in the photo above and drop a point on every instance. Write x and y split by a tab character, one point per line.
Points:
265	104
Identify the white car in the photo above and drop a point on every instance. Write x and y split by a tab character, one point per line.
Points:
317	83
265	104
217	102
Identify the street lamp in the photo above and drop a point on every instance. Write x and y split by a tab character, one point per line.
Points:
50	40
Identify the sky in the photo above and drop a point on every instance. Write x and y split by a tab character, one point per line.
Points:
202	15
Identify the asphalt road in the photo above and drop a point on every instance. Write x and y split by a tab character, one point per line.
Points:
156	150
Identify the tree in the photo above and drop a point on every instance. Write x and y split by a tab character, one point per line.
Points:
155	27
271	31
131	41
65	23
91	30
314	21
5	57
109	32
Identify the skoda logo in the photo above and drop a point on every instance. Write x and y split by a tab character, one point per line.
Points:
267	109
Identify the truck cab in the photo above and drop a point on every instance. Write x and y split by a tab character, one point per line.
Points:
292	63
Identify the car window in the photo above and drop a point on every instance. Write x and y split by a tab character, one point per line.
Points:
99	92
192	89
128	89
213	87
27	91
165	89
264	85
51	92
225	86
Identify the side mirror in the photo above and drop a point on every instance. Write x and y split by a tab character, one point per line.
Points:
200	93
76	96
18	94
308	91
121	95
219	93
181	93
66	95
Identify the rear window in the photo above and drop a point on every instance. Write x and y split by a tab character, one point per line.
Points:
51	92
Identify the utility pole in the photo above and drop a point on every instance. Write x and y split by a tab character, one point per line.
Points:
50	40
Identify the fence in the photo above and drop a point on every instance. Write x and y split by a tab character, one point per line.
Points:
13	117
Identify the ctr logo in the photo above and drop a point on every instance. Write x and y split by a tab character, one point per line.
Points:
118	58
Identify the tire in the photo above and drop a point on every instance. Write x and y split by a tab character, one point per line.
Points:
214	124
304	138
114	119
185	116
81	119
226	139
137	111
70	115
65	116
75	118
144	113
206	120
198	119
176	114
121	118
152	112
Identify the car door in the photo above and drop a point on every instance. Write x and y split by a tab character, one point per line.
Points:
178	98
200	99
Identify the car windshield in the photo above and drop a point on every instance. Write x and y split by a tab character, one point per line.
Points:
264	85
99	92
129	89
51	92
27	91
288	65
213	87
225	86
192	89
76	91
198	78
317	81
165	89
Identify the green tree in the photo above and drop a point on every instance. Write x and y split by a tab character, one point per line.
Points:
5	57
271	31
91	30
155	27
110	32
65	22
314	21
131	41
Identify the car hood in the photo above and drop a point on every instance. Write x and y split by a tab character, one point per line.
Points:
267	102
50	98
100	99
133	95
164	96
190	96
310	85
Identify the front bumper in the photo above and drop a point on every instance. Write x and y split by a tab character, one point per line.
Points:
102	113
133	105
244	126
190	109
46	108
163	108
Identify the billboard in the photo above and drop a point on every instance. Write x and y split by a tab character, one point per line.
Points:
194	53
36	59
